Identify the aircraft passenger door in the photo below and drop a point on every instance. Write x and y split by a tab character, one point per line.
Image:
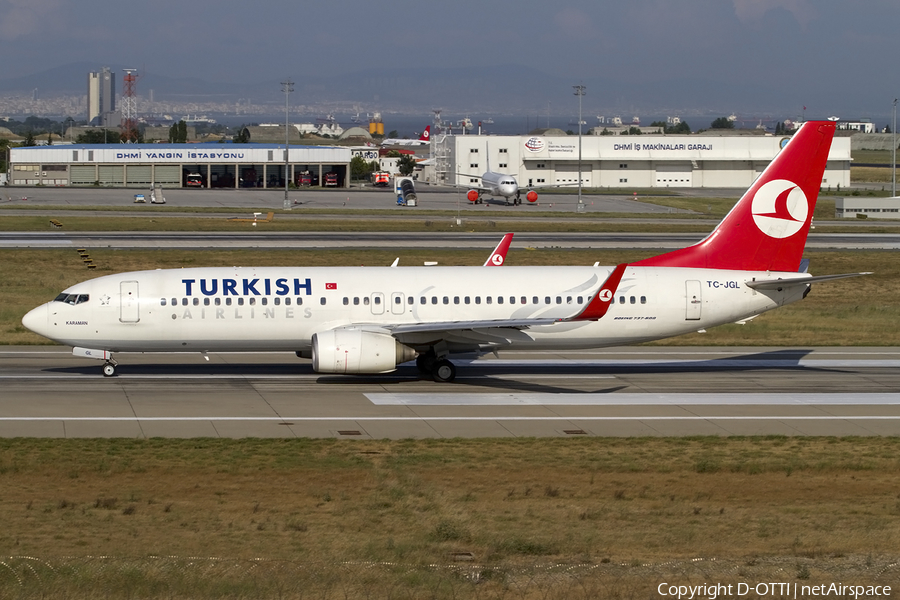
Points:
377	303
398	305
694	300
129	303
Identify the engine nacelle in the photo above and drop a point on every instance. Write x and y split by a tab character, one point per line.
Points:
472	195
531	196
352	350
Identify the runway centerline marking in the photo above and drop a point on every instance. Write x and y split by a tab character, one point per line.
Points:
494	418
637	399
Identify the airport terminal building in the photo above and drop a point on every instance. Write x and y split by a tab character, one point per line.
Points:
179	165
619	161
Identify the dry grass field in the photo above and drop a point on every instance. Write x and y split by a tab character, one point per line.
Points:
522	518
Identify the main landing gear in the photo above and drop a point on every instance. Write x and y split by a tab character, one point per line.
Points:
440	369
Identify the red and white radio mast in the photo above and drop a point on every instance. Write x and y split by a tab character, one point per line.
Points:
129	107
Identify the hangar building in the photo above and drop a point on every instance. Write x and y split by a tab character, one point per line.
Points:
619	161
169	165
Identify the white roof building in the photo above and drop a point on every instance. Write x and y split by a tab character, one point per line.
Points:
619	161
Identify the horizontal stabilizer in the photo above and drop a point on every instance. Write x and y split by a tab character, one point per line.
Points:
774	284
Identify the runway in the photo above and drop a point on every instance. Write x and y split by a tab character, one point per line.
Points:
259	239
632	391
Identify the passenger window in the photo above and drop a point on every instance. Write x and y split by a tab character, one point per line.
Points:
219	301
227	301
434	299
477	299
240	301
512	299
621	299
559	299
546	299
206	302
346	301
524	300
455	299
287	301
174	301
299	301
423	300
322	301
534	300
580	300
162	301
196	301
366	301
265	301
568	299
356	301
398	300
633	300
252	301
467	300
499	299
184	301
277	301
377	300
487	300
643	299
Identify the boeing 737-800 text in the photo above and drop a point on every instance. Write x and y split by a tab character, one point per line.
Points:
371	319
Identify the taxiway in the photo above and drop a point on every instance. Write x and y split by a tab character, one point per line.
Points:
634	391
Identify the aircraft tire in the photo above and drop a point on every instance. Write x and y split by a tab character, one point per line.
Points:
109	370
444	371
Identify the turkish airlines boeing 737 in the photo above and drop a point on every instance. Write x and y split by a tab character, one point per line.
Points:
371	319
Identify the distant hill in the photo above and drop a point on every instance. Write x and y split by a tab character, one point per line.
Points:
513	89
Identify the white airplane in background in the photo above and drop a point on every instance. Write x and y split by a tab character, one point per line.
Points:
371	319
497	184
423	140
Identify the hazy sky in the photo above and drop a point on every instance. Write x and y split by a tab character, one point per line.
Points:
810	47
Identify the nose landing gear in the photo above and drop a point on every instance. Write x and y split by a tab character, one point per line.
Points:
109	368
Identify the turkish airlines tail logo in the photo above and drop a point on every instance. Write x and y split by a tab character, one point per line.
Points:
426	135
780	208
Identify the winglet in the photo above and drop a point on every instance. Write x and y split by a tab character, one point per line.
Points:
498	256
601	302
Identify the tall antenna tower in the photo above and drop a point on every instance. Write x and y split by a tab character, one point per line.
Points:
129	107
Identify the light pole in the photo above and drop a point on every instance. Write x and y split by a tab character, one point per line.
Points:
579	91
287	87
894	151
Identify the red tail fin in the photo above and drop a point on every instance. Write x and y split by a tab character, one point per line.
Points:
767	229
426	135
498	256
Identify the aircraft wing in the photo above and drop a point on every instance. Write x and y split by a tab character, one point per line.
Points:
497	330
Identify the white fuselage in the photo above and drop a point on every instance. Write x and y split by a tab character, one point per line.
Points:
258	309
498	184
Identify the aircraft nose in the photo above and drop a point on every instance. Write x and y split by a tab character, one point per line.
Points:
36	319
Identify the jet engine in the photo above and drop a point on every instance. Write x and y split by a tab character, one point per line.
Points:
472	195
531	196
352	350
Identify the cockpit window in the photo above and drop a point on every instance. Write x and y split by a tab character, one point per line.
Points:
72	299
